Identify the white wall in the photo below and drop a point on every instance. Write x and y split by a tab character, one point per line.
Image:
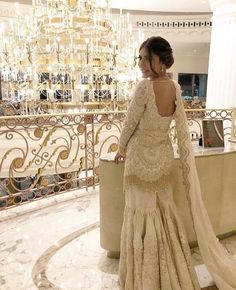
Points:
190	45
189	64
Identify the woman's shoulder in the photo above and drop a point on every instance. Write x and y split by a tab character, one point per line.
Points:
143	83
141	91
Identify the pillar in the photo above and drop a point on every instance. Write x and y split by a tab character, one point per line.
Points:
221	87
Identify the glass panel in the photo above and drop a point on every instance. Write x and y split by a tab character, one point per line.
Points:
185	81
194	87
202	88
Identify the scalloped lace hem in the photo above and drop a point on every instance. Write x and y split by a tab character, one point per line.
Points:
154	250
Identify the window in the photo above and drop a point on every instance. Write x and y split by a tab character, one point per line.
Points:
193	86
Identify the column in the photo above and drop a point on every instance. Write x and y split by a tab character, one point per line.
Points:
221	87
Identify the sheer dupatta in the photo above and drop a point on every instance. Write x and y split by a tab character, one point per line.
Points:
219	262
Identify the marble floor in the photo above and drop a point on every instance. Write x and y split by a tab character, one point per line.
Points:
54	244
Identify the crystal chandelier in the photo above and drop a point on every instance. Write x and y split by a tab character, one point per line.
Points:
71	50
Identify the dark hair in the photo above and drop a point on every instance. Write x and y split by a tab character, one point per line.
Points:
161	47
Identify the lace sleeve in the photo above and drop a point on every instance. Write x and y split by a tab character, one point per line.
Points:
134	115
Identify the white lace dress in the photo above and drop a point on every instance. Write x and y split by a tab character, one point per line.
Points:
154	250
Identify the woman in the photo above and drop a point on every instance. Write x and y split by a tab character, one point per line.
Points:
154	250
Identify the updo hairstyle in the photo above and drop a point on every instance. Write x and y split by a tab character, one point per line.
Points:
161	47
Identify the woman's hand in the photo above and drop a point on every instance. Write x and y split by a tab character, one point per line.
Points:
119	157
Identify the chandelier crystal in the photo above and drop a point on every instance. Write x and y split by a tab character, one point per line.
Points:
73	50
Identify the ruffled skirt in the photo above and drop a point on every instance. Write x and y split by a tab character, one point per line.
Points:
155	254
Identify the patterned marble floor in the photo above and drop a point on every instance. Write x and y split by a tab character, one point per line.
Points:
54	244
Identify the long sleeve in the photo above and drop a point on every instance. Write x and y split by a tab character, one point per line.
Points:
134	114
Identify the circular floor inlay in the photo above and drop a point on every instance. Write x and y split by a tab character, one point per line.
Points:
39	275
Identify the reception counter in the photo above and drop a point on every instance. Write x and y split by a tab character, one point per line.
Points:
217	173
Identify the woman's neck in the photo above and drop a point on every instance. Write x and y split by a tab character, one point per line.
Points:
159	78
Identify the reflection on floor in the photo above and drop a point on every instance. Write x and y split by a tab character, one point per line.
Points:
54	244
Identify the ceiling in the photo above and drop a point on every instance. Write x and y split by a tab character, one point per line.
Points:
177	6
163	5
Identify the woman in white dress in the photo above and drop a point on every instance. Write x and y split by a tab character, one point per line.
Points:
155	254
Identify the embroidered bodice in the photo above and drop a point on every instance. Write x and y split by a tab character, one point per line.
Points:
145	136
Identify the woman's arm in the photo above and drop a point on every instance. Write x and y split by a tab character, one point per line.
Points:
134	115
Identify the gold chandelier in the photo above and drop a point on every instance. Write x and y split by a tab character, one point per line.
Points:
72	50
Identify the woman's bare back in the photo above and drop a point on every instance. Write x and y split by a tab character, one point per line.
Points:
165	97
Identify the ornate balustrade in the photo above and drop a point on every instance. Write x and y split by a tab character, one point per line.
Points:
47	154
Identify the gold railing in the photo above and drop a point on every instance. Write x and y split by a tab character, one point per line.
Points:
195	117
44	155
